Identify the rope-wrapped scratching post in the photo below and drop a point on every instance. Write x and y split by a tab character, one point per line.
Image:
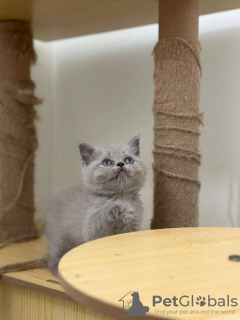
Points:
18	140
176	133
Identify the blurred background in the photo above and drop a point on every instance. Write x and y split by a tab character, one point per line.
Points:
99	89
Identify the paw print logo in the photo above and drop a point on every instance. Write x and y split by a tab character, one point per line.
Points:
201	301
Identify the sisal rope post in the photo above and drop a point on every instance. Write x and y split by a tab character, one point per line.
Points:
176	116
18	140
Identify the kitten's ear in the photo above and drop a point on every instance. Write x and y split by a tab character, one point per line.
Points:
134	145
87	152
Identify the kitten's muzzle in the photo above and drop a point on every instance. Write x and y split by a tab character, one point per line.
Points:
121	171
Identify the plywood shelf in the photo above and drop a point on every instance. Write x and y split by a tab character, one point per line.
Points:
41	278
59	19
36	294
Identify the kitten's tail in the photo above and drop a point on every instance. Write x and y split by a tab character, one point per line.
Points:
25	265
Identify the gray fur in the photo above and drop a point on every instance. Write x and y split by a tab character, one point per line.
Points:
108	203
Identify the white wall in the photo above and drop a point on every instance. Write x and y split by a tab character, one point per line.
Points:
220	102
41	74
99	89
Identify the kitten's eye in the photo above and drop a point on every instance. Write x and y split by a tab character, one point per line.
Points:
106	162
129	160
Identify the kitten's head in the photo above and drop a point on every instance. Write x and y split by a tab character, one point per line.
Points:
113	170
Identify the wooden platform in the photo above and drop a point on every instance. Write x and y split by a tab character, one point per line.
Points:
57	19
36	294
192	263
166	263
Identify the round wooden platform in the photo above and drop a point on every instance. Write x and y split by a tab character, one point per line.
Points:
187	272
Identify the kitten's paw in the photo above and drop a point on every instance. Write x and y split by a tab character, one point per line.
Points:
115	212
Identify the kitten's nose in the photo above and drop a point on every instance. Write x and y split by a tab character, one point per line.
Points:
120	164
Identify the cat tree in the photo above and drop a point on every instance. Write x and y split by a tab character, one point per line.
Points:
176	114
176	123
176	156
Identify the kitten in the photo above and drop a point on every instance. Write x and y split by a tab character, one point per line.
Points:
107	203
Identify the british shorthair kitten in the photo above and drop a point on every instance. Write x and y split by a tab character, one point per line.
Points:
107	203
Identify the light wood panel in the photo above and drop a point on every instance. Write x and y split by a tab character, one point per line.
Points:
36	294
20	303
40	279
167	262
56	19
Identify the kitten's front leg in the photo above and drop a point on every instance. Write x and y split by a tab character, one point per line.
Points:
100	223
116	212
126	220
131	221
130	227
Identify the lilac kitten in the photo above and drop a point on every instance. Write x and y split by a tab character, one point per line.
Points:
107	203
